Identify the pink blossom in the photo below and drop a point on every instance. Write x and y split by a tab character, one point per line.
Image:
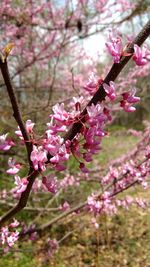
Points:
147	154
29	126
21	185
59	113
110	90
126	106
38	157
19	133
65	206
69	180
4	234
83	168
141	202
53	129
14	167
140	55
115	48
51	183
62	155
129	98
52	143
92	84
94	222
52	246
5	144
12	238
102	204
8	237
15	223
94	110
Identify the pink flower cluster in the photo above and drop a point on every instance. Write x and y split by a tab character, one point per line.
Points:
101	204
52	246
9	237
38	158
53	144
115	49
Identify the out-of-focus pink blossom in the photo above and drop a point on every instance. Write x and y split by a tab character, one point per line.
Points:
7	237
15	223
94	222
51	183
38	158
140	55
52	246
110	90
12	238
147	154
102	204
69	180
14	167
83	168
4	234
5	144
65	206
134	132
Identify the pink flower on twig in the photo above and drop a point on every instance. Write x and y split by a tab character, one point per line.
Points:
5	144
14	167
38	158
110	90
140	55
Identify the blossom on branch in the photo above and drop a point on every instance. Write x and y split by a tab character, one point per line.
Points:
5	144
110	90
129	98
115	48
21	185
140	55
39	157
14	167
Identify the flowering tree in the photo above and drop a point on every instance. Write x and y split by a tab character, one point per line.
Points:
43	36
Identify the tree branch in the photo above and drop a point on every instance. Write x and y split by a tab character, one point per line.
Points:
111	76
32	174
